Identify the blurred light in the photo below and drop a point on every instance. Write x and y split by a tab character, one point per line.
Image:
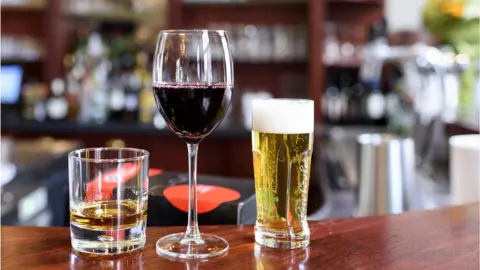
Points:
117	143
462	59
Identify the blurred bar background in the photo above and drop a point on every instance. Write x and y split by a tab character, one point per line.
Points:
80	71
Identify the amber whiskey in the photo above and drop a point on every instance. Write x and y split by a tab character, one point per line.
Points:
107	215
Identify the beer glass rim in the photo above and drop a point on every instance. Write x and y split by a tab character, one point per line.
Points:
141	154
293	100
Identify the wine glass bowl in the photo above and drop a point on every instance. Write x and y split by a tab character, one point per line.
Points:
192	85
192	111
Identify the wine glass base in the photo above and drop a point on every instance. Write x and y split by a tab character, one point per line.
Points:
176	246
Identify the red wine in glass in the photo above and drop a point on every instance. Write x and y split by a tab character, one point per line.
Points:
192	111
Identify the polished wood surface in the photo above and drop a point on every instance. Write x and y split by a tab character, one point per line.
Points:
438	239
461	128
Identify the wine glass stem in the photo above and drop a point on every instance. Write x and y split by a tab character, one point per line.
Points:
192	233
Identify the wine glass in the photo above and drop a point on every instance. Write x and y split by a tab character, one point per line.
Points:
192	85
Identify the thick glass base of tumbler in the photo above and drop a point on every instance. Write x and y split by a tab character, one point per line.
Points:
90	248
176	246
87	241
282	239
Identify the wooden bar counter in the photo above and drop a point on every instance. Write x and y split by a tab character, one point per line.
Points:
446	238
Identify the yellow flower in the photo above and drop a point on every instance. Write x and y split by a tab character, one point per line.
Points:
453	8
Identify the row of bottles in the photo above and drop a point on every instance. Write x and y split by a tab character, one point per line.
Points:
108	79
264	43
356	97
347	101
124	96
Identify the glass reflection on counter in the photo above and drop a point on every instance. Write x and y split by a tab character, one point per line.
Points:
121	263
269	259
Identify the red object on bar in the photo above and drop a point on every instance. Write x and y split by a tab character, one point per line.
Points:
116	235
101	188
208	197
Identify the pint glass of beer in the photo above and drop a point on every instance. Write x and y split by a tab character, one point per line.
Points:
282	144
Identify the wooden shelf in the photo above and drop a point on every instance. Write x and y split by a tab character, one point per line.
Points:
270	3
357	2
249	4
460	128
201	15
18	60
344	65
29	6
117	16
269	63
27	20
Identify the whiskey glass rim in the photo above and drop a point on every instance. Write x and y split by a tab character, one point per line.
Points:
139	154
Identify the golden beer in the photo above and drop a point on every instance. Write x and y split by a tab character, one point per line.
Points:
282	145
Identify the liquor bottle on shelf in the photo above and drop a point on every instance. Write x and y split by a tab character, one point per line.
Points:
377	46
82	36
75	81
332	102
346	94
94	82
132	88
97	102
123	55
116	84
33	99
375	104
72	88
331	50
57	104
146	101
116	101
147	105
357	105
97	87
371	72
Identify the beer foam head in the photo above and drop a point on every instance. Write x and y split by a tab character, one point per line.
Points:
283	116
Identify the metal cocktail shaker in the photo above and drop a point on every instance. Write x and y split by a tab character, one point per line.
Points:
386	175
